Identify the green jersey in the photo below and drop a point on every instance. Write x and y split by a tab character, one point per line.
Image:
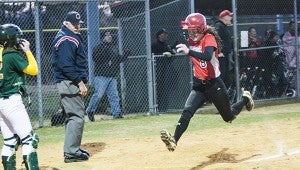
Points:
12	78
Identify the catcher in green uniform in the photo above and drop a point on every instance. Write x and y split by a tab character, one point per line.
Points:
14	120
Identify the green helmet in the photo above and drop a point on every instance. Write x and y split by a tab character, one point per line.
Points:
9	34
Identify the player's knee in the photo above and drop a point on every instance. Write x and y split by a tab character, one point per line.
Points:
30	143
29	146
10	145
31	140
229	119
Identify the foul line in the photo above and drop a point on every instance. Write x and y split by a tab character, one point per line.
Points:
275	156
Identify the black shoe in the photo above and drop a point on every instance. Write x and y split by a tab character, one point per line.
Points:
76	158
84	151
119	116
91	116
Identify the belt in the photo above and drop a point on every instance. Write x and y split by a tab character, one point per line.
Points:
5	97
206	81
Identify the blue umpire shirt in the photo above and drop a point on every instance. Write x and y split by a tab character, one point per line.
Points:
69	59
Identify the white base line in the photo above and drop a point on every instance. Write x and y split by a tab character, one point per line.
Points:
275	156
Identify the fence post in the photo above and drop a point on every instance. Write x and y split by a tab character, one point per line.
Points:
93	35
297	48
122	74
235	50
38	41
149	59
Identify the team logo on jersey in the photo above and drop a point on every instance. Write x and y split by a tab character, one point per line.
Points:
203	64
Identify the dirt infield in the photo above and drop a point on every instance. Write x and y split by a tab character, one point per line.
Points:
264	145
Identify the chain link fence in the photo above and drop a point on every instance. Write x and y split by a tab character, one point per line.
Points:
132	24
263	48
147	83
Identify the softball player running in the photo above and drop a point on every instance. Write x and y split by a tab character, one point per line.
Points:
203	51
14	120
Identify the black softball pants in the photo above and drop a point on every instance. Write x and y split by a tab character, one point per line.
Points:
214	91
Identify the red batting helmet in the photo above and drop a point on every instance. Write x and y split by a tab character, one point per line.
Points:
195	21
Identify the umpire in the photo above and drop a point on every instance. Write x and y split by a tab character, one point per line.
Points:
69	62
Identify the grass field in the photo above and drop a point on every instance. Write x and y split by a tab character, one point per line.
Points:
209	143
144	125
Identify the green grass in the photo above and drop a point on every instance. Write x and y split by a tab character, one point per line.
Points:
142	125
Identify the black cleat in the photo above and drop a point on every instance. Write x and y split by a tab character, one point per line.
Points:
76	158
250	104
168	139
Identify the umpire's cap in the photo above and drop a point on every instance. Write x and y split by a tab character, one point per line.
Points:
74	17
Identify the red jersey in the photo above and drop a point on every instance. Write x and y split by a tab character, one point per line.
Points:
205	69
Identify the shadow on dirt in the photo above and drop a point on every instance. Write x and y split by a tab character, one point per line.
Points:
221	157
92	148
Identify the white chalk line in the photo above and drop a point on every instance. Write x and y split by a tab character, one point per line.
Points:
295	152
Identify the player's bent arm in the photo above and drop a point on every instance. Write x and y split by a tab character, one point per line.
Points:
206	55
32	68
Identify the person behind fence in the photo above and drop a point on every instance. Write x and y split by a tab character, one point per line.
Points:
273	61
164	62
289	41
14	120
107	67
161	45
69	64
225	56
252	56
204	44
